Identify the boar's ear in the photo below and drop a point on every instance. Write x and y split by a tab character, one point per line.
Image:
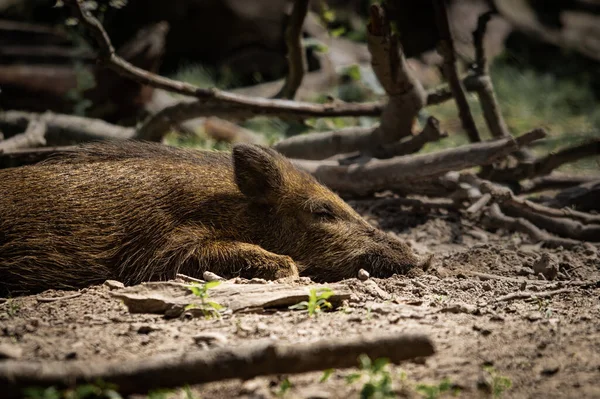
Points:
257	172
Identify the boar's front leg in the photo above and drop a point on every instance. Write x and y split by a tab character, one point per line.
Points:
192	254
231	258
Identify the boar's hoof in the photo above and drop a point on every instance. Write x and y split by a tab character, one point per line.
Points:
277	267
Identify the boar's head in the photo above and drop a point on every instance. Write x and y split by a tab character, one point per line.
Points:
303	219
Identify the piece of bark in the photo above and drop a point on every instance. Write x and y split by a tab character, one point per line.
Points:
295	52
34	136
202	366
171	297
378	175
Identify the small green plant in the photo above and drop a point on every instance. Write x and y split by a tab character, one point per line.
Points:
499	383
12	308
317	301
209	308
543	306
378	382
326	374
99	390
284	387
434	391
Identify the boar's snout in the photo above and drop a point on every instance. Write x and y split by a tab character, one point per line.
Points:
385	256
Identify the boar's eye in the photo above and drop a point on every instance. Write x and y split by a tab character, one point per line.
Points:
324	213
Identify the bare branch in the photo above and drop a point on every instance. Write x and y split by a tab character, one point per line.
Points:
553	182
377	175
430	133
496	218
446	49
66	128
33	136
211	102
545	165
406	94
245	362
295	52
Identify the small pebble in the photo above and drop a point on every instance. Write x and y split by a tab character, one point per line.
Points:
363	275
210	276
10	351
210	339
114	284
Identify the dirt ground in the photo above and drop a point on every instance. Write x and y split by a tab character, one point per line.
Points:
544	347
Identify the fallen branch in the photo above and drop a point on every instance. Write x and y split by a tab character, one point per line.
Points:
33	136
561	225
553	182
323	145
244	362
584	196
447	51
377	175
295	52
484	88
545	165
405	92
62	129
531	295
505	196
496	218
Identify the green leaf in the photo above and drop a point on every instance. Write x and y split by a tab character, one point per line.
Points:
326	374
365	362
300	305
353	377
215	305
353	72
338	31
211	284
379	364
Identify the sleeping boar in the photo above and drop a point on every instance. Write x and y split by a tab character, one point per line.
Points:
134	212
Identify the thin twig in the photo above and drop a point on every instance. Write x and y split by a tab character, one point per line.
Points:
58	298
189	279
295	52
532	295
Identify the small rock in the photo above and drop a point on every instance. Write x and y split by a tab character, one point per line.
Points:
485	331
547	265
114	284
525	271
460	308
10	351
550	370
534	316
523	286
486	287
71	355
147	328
210	276
363	275
380	308
257	280
210	339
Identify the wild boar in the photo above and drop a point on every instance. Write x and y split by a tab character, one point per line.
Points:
134	211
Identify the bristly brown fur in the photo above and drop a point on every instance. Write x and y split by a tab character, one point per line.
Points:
135	211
